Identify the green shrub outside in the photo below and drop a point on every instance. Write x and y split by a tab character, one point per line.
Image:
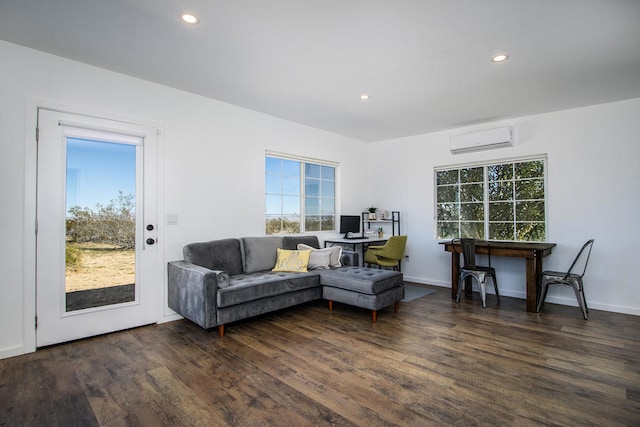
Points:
113	223
73	258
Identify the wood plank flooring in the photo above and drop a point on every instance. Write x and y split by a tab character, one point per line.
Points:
433	363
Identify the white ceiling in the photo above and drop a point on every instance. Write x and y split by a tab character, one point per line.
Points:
425	63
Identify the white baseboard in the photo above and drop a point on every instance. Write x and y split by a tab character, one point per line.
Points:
170	318
522	295
15	351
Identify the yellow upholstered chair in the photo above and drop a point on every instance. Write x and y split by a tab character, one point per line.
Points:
388	255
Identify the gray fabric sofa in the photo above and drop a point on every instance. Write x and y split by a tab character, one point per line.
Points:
222	281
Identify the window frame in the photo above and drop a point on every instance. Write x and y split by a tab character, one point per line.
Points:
303	162
485	165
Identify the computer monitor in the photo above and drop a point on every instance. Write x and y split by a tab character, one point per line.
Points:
349	224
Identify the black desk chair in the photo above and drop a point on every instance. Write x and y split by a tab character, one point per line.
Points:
568	278
470	269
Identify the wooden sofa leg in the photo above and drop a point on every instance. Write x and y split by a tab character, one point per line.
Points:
374	316
397	306
221	331
330	305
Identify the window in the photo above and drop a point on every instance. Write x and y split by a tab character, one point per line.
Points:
300	195
499	201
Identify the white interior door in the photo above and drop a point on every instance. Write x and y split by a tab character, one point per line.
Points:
96	250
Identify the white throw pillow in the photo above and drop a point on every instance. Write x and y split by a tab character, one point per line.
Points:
335	253
319	260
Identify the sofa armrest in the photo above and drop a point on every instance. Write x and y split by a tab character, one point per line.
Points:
192	292
350	259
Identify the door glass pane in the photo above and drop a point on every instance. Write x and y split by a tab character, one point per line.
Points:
100	223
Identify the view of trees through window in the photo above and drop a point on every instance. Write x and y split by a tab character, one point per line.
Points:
300	196
502	201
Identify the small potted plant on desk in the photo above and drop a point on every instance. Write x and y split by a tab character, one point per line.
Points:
380	232
372	212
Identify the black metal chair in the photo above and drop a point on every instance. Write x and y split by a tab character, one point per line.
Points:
568	278
470	269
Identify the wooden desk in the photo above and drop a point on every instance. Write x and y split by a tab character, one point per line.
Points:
532	252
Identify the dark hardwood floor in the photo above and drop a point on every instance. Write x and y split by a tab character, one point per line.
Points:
433	363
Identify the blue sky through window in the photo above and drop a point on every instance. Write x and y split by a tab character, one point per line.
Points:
97	171
282	187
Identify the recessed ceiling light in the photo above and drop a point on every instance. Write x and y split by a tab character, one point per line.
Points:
190	19
364	97
501	57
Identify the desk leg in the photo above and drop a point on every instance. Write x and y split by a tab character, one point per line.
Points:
538	275
532	281
455	273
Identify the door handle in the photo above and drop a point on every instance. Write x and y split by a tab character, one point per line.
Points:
150	241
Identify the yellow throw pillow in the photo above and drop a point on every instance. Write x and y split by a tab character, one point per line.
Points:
295	261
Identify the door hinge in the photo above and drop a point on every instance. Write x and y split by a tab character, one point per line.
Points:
36	322
36	227
37	134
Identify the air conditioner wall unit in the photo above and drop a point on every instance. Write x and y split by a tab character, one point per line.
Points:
483	140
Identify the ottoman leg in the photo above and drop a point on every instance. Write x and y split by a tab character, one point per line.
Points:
397	306
374	316
330	305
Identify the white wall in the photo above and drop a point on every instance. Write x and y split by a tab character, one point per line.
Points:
214	178
213	165
593	191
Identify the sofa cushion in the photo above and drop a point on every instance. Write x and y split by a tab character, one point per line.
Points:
364	280
296	261
291	242
223	255
370	301
259	253
335	253
267	305
250	287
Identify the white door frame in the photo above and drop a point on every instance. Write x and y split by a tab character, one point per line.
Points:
27	323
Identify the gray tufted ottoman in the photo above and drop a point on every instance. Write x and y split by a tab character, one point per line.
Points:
368	288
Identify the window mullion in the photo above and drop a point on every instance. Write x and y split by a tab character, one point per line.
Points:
459	202
513	205
485	174
303	180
